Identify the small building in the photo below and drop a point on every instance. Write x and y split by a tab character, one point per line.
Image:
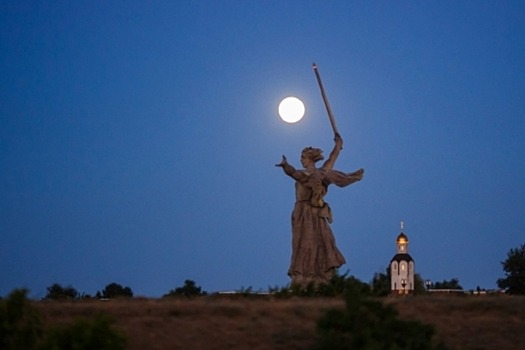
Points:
402	267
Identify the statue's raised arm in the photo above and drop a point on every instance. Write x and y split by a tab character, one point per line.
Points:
330	162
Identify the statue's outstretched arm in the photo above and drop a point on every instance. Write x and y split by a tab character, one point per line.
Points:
289	169
342	179
330	162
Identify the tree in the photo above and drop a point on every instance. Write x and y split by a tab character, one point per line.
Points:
368	324
452	284
514	267
57	292
338	285
381	283
341	284
115	290
189	289
20	323
419	284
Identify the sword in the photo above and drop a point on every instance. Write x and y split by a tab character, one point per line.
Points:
325	99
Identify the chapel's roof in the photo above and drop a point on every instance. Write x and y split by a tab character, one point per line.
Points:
402	257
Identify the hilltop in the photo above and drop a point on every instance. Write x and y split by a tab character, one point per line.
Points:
265	322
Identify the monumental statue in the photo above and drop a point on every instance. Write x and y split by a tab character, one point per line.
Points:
315	257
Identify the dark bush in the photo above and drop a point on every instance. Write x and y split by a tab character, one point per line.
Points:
189	289
452	284
337	286
20	325
95	334
514	267
115	290
57	292
368	324
21	328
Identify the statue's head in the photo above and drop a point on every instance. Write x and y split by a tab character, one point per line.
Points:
312	153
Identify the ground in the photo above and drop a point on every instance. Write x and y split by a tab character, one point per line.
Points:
240	322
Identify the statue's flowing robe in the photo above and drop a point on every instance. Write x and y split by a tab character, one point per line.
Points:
314	253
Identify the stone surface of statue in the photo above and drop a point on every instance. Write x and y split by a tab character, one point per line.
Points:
315	256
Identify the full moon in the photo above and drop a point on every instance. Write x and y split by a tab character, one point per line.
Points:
291	109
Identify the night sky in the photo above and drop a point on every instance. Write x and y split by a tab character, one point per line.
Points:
138	138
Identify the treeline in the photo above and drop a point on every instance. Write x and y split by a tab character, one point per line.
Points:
112	290
379	286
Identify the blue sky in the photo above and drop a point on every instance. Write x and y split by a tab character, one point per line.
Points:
138	138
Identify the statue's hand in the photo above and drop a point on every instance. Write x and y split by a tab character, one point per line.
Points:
338	140
358	174
283	162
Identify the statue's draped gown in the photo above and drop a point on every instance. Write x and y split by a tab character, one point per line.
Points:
314	253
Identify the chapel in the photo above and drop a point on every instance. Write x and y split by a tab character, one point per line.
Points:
402	267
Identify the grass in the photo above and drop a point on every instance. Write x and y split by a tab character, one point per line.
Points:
473	322
229	322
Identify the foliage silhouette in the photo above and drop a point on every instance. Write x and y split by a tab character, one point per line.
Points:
452	284
20	323
21	328
514	267
368	324
57	292
381	283
189	289
115	290
419	284
337	286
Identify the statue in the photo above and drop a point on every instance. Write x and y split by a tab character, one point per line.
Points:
315	256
